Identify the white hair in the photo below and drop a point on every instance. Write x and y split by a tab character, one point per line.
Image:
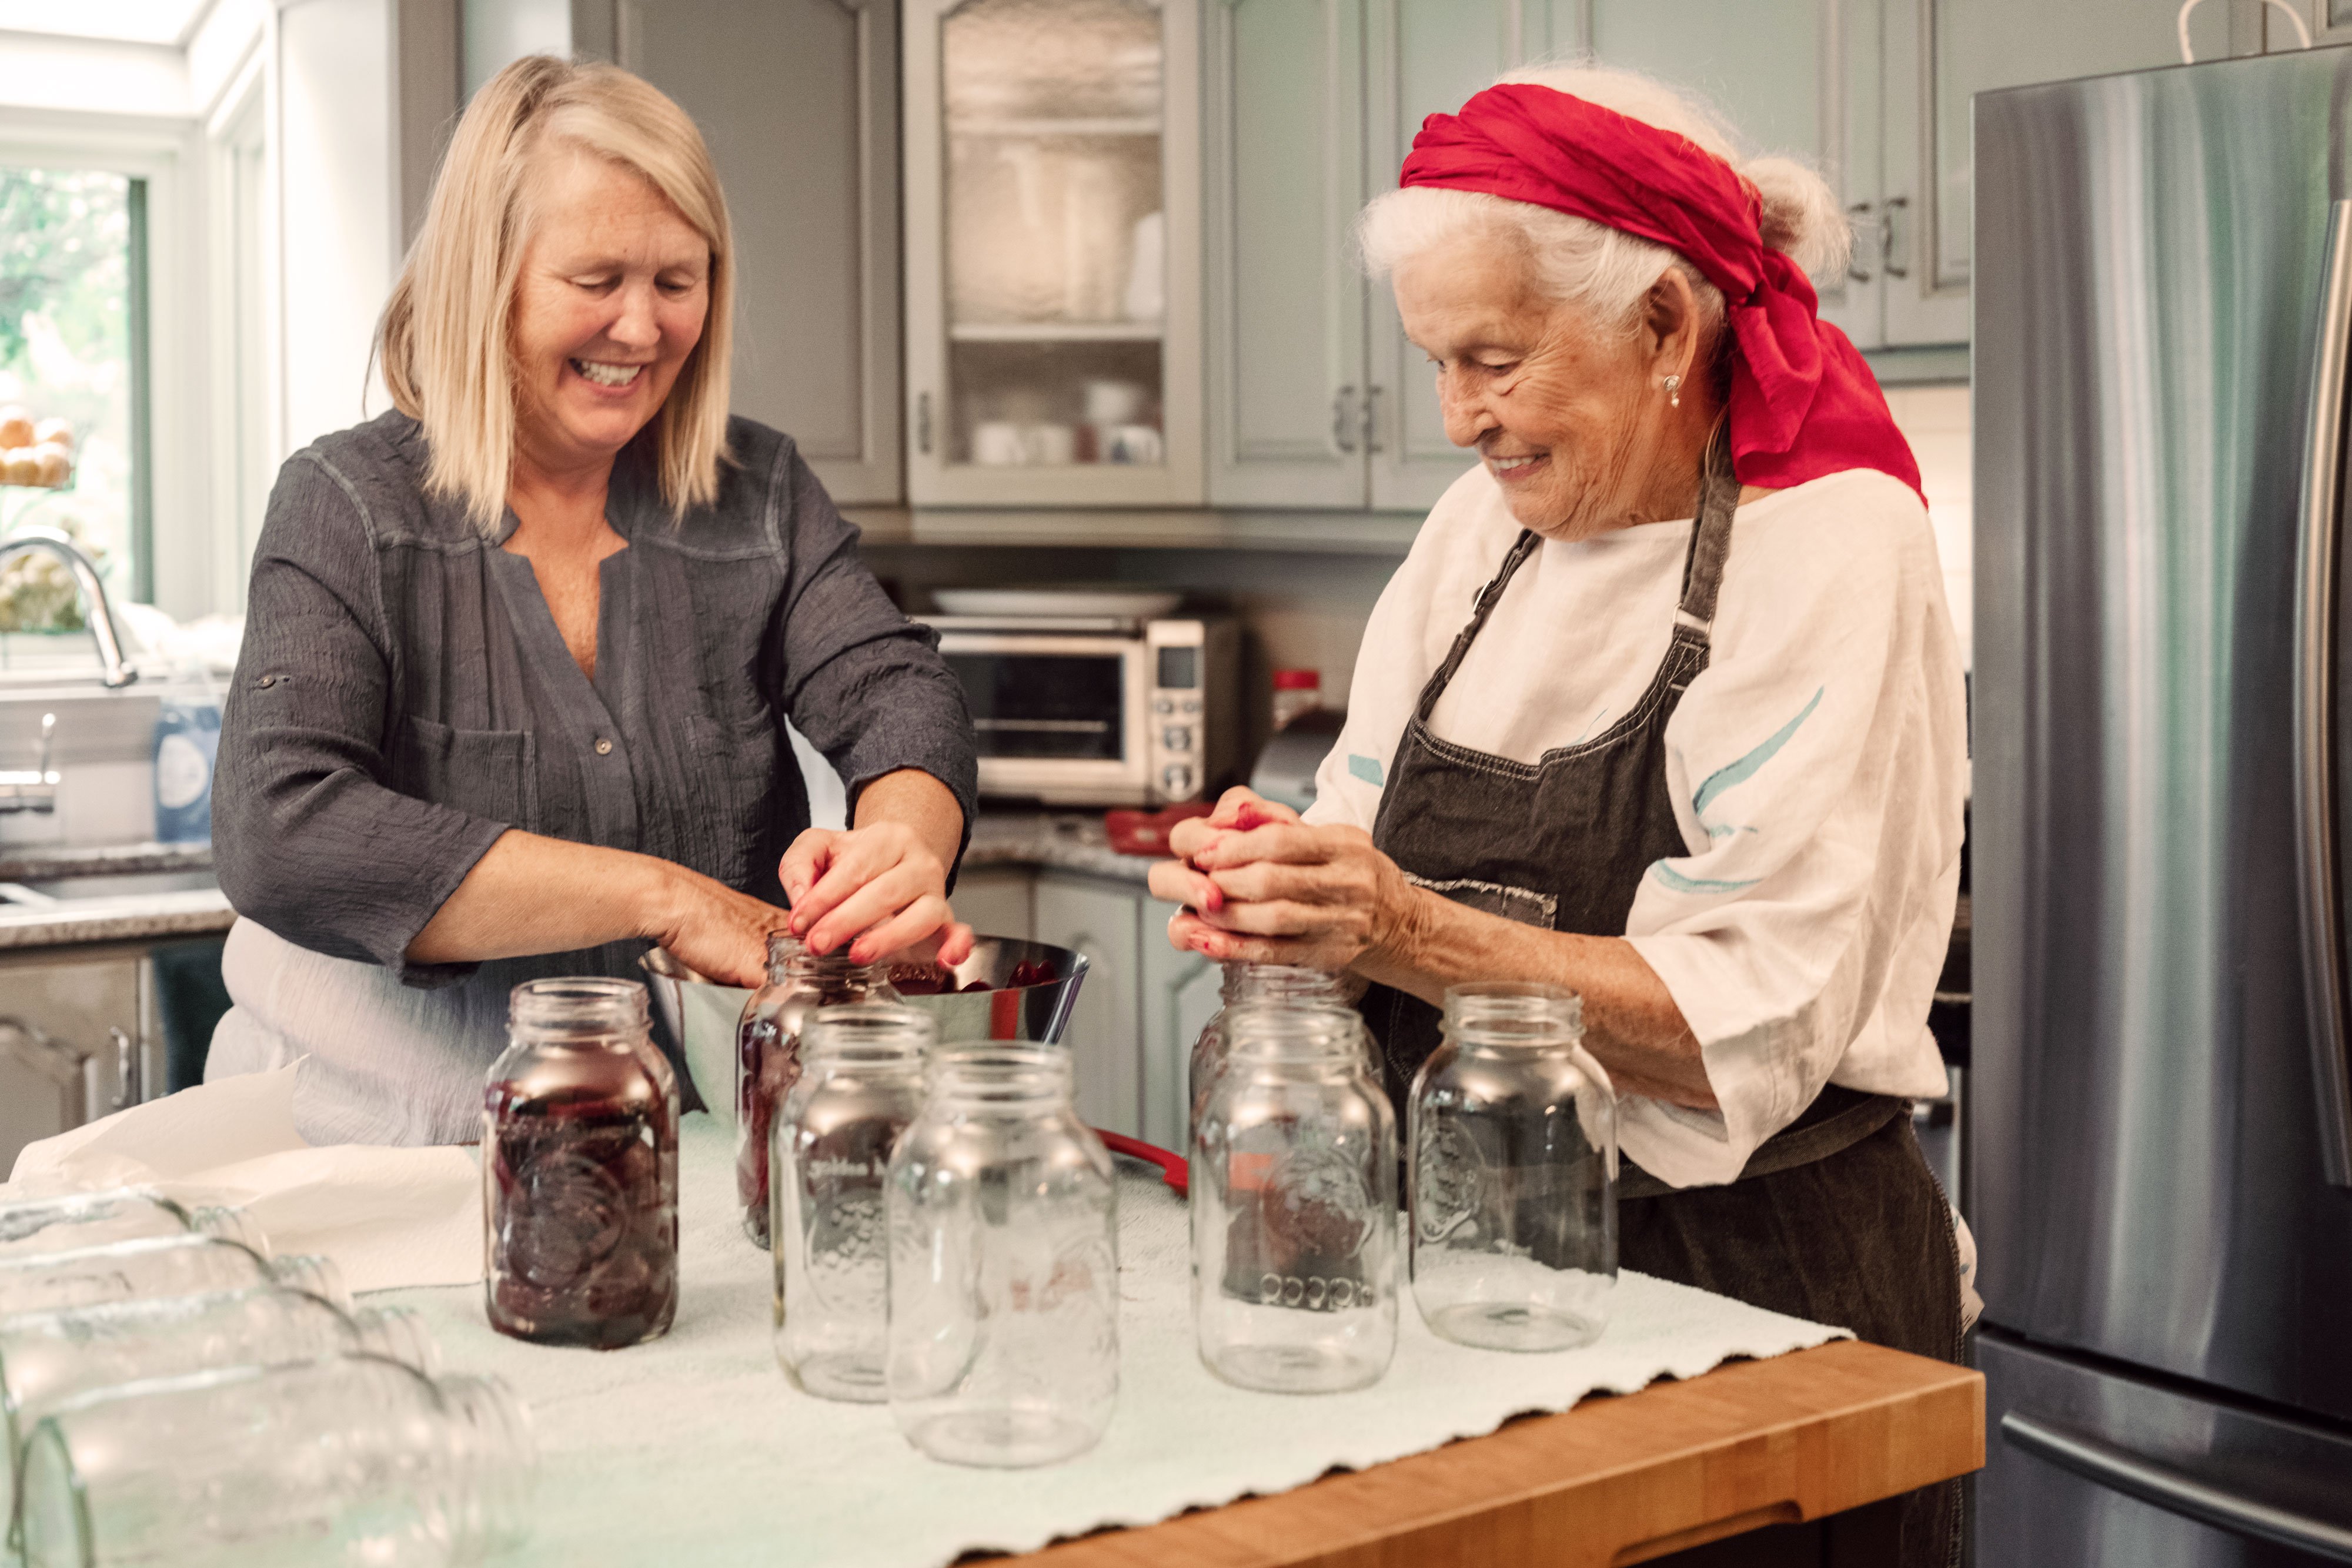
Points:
1604	271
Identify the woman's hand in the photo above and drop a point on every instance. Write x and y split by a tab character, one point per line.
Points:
1263	886
879	883
715	930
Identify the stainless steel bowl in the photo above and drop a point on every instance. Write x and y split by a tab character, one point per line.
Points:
702	1015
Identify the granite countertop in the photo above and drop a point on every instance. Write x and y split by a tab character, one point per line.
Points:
1066	841
126	916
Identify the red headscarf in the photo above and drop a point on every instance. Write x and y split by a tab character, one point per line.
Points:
1803	404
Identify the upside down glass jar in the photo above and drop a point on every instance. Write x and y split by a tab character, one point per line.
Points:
1249	985
861	1084
49	1358
1513	1131
356	1459
767	1051
580	1169
1003	1225
154	1267
74	1220
1294	1207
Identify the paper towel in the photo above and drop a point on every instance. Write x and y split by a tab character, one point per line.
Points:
388	1217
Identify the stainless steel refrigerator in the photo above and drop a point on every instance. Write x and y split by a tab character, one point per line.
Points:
2163	817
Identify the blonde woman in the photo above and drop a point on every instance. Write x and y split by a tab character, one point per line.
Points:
518	655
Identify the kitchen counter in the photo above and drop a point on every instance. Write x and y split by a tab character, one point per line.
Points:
132	914
1065	840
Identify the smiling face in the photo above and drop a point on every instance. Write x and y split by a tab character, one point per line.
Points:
1569	416
614	289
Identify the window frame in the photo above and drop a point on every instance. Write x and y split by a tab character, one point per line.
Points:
171	542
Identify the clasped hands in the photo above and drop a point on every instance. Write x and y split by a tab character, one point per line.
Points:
1259	885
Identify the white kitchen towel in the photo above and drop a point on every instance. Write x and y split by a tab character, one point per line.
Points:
695	1448
388	1217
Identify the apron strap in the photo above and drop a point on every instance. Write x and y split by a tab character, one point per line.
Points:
1718	498
1435	688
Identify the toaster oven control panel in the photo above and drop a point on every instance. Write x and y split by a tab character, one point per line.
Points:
1193	667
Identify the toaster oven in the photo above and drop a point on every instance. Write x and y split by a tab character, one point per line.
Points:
1099	710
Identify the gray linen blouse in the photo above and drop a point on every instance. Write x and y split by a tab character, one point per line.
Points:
403	697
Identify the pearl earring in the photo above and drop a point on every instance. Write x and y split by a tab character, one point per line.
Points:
1674	391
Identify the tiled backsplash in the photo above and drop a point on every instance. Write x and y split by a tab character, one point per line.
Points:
1936	422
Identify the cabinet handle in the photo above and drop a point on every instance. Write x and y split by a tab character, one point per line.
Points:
1886	239
923	423
1343	432
126	1071
1372	419
1860	212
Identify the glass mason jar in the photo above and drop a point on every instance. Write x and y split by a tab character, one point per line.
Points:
1246	985
1003	1220
767	1051
580	1169
861	1082
72	1221
1294	1207
1514	1178
156	1266
356	1459
48	1358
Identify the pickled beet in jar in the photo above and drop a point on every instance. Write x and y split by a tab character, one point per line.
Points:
768	1051
580	1169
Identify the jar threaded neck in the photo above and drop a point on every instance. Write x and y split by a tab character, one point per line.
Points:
868	1035
577	1007
1514	1013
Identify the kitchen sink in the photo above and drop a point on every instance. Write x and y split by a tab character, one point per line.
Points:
106	885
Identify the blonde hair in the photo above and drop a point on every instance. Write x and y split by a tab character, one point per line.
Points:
1604	271
443	335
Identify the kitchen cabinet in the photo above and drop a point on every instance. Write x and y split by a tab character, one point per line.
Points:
998	901
1315	398
1099	918
75	1026
1052	158
798	101
1181	992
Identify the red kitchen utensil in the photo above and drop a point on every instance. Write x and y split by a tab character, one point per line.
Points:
1146	832
1172	1168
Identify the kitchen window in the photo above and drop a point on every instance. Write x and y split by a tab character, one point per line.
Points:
73	347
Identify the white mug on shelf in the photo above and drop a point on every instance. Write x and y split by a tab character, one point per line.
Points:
1135	444
1051	446
998	443
1110	403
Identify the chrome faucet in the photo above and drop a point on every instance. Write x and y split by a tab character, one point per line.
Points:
95	609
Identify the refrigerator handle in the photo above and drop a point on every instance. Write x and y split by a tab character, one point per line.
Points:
2315	706
2118	1469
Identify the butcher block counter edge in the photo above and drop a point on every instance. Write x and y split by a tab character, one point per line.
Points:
1613	1481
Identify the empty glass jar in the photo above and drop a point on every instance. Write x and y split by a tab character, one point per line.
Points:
861	1083
1003	1264
1294	1207
356	1459
182	1265
1246	985
74	1220
767	1051
48	1358
1514	1178
580	1169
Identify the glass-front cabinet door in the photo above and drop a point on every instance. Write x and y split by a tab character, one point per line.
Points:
1052	274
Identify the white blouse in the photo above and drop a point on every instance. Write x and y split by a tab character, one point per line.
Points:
1818	767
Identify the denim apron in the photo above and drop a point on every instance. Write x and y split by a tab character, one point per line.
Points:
1836	1218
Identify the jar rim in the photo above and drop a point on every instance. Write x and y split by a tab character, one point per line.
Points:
1292	1030
873	1033
1517	1007
1007	1070
578	1003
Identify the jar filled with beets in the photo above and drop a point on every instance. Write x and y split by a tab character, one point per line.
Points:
767	1051
580	1169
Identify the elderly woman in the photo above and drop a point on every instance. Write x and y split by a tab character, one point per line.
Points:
1665	705
518	656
